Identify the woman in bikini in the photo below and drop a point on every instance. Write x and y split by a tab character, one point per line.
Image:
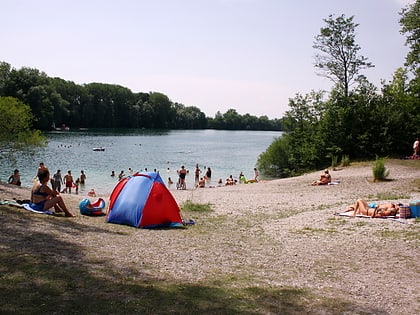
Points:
361	207
44	198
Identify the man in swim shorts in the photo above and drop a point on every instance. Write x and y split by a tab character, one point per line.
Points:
68	179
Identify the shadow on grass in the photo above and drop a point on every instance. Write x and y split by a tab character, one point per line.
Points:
44	274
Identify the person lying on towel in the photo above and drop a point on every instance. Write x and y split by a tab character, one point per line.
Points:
361	207
44	198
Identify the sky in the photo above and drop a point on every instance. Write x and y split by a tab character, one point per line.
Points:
247	55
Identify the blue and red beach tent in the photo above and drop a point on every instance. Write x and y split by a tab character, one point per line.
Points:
143	200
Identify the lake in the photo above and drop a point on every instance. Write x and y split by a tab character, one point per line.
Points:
225	152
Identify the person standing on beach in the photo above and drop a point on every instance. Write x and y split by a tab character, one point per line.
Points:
256	174
416	146
68	179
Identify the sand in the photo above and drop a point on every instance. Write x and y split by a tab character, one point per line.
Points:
274	233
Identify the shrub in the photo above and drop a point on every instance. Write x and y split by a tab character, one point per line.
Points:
379	170
345	160
334	160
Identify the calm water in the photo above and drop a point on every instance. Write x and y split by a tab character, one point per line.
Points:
225	152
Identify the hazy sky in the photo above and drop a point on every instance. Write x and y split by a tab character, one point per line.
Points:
250	55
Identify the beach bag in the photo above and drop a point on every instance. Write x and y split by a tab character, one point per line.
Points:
405	212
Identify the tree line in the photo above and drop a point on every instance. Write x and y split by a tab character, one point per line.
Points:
355	120
57	102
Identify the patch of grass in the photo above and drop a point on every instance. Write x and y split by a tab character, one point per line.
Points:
310	230
391	196
196	207
416	184
388	195
336	221
404	235
361	223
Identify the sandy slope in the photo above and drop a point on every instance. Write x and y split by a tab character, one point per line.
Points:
275	233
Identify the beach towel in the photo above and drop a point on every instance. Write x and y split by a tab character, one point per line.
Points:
334	182
12	203
27	206
350	214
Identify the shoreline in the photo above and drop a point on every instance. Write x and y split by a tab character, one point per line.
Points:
354	182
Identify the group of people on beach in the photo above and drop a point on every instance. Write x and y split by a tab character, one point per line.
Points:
201	180
67	181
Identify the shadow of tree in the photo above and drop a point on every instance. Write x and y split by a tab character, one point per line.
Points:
42	273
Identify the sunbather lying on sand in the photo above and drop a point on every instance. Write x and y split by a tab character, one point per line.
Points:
361	207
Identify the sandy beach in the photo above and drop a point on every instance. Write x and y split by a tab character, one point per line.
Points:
278	233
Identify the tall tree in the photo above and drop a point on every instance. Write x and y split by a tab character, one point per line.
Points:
339	60
410	22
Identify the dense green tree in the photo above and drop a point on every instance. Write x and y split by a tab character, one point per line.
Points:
162	111
5	70
276	161
339	60
57	102
410	22
403	112
16	121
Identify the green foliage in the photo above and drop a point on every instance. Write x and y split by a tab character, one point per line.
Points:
345	160
276	161
334	160
232	120
56	102
16	130
410	22
379	170
339	60
16	123
333	154
361	121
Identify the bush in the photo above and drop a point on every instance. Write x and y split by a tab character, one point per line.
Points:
345	160
379	170
334	160
276	161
